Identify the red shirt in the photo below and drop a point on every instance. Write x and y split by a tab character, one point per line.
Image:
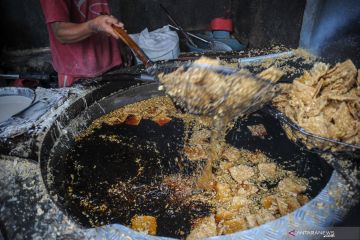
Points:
89	57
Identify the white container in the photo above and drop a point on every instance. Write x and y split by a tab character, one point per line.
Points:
161	44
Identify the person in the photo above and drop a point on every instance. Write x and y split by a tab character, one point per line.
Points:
82	41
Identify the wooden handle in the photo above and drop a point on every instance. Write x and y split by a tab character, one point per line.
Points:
133	45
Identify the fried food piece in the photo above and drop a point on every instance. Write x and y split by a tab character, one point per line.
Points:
145	224
269	202
238	202
232	226
325	101
195	153
203	228
161	120
247	190
264	216
302	199
267	170
255	157
290	186
224	215
223	191
133	120
258	130
154	111
231	153
287	205
340	79
241	173
292	203
283	207
251	220
344	124
116	120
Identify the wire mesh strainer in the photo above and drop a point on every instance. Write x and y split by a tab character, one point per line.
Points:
343	157
212	90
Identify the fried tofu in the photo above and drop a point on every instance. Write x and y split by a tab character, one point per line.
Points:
268	202
232	208
290	186
267	170
251	220
241	173
223	191
287	205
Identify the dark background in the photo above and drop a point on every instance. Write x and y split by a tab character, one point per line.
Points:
257	22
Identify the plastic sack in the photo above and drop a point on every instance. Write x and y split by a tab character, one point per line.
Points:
160	44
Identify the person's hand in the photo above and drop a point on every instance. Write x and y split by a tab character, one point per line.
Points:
104	24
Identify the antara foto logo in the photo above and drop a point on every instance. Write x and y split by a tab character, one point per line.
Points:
292	233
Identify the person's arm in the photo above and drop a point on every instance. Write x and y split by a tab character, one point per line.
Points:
67	32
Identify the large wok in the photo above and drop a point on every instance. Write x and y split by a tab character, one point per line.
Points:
56	172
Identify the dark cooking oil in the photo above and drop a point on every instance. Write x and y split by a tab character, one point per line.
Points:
118	171
138	168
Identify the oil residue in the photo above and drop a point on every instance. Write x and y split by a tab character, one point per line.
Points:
133	171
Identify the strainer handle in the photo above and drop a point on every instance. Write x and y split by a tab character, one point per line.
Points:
133	46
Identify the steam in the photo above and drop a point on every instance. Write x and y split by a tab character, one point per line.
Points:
334	16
